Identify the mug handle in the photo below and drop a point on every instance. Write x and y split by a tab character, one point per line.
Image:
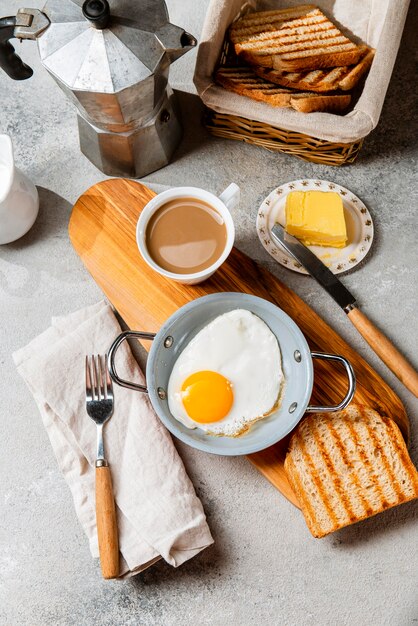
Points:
351	383
230	197
127	334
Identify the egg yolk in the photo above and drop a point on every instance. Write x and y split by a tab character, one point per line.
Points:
207	396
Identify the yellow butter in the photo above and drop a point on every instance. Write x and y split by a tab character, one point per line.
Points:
316	218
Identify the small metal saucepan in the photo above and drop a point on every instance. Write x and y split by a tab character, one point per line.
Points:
297	365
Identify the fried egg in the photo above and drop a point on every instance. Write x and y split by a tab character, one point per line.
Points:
228	377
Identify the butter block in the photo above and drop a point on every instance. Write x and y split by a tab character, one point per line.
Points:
316	218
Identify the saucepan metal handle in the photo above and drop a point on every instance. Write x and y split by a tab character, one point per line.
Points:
127	334
351	383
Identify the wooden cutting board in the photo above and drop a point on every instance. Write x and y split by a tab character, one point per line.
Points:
103	232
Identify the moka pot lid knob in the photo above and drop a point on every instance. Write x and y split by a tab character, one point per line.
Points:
97	12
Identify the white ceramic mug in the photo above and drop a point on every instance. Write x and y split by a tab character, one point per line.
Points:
227	200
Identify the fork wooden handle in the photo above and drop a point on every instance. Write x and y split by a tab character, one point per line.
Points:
385	350
107	528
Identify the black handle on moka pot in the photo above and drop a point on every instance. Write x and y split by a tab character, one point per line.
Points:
10	62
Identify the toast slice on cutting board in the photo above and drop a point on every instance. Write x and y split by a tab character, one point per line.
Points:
243	81
321	80
294	39
347	466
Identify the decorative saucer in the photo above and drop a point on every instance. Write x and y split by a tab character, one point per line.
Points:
357	217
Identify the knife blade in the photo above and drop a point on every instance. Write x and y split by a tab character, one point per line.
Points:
314	266
382	346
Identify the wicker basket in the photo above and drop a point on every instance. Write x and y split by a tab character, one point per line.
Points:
280	140
273	138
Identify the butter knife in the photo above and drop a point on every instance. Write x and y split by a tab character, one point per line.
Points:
381	345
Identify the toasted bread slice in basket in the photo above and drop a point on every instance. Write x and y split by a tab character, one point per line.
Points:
243	81
323	80
347	466
296	39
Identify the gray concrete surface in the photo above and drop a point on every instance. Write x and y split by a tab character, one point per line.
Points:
264	568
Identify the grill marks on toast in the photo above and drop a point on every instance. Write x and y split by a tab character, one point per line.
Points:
288	49
269	20
348	463
395	492
333	477
284	37
332	468
308	509
371	485
263	22
347	466
310	40
243	81
322	80
317	481
285	40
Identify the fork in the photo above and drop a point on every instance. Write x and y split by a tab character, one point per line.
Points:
99	405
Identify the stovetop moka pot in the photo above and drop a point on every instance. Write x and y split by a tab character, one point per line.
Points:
112	60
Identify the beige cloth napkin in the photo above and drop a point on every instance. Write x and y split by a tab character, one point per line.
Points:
378	23
159	514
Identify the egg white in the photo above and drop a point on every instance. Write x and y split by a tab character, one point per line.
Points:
241	347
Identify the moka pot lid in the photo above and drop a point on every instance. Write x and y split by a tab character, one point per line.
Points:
106	46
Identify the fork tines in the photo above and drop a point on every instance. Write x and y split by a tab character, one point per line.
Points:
98	382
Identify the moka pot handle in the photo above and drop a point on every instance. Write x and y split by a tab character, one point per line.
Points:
28	24
10	62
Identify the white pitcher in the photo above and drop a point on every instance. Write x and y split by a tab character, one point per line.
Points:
19	200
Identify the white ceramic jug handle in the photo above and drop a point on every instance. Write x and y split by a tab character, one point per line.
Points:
230	197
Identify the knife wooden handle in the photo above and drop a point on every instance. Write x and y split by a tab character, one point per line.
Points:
385	350
107	529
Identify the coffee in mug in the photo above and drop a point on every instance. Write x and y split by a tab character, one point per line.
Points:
186	235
